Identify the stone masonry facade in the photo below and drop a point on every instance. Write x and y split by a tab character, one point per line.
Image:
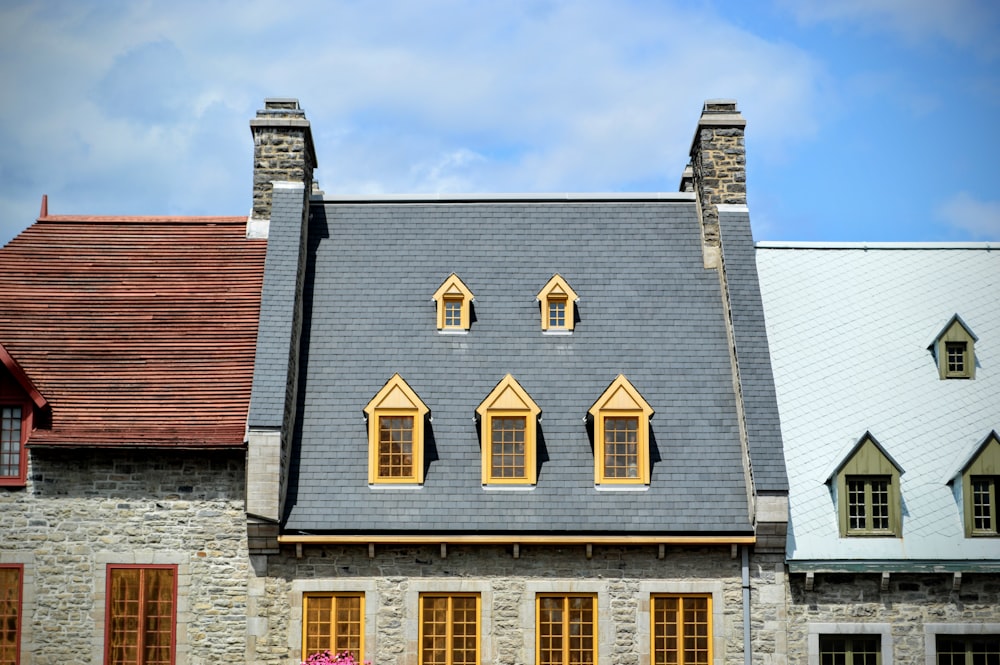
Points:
907	615
622	577
83	510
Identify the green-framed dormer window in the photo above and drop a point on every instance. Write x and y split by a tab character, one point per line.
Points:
954	350
980	486
867	490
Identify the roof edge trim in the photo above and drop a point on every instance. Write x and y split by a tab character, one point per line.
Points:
22	378
576	197
895	566
795	244
511	539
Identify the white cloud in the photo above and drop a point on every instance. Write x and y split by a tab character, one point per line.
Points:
980	219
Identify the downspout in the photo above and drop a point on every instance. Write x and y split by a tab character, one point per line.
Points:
747	649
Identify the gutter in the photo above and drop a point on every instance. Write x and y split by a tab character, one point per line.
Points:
510	539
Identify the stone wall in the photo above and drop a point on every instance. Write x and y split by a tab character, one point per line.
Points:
622	577
718	162
82	510
283	151
908	614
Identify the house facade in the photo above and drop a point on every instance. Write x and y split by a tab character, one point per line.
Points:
885	363
126	354
512	428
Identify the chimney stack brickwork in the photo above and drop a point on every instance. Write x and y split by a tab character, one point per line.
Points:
718	161
283	151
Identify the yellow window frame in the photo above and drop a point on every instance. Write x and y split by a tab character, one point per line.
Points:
621	400
451	635
453	290
557	289
692	639
566	633
396	399
334	636
507	400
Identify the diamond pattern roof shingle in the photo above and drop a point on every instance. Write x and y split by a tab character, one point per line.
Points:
849	330
648	309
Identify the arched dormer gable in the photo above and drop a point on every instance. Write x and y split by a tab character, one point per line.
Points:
558	305
954	350
396	416
621	435
453	300
508	419
868	496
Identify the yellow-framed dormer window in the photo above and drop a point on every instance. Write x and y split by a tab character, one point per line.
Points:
954	350
621	435
396	434
558	305
454	305
980	487
508	419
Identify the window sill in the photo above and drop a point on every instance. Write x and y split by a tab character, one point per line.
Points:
621	488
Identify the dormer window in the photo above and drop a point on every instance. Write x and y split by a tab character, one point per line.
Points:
454	306
621	435
954	350
867	491
19	403
558	306
508	420
396	434
980	483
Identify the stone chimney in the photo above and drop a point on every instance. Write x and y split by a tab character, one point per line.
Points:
718	162
282	151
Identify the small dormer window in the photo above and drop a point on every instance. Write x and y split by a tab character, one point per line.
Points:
867	491
621	435
954	350
558	306
980	483
454	306
396	434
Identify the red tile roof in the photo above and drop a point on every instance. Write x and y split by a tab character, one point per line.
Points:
139	331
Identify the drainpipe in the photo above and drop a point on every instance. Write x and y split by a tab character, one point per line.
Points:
747	650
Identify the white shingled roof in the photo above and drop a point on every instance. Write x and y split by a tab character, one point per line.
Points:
849	328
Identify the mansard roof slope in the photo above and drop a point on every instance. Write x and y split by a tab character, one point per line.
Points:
648	309
849	326
139	331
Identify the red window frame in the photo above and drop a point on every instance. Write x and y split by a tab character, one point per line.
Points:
141	617
10	646
27	413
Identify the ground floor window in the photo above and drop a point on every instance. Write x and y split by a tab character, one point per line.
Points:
141	615
850	650
681	629
10	613
334	622
567	629
968	650
449	628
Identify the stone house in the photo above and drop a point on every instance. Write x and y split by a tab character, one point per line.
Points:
126	356
885	363
510	429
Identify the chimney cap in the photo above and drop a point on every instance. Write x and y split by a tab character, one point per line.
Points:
289	103
719	106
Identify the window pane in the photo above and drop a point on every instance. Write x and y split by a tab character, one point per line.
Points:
557	313
10	441
681	630
507	454
880	504
140	616
453	313
566	630
850	649
856	504
983	500
956	357
621	447
333	623
10	599
449	629
966	650
395	447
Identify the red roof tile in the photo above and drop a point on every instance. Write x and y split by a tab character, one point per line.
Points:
138	331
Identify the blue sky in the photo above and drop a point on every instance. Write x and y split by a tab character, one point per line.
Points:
868	120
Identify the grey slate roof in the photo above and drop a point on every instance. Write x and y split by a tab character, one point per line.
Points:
648	309
752	353
277	309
